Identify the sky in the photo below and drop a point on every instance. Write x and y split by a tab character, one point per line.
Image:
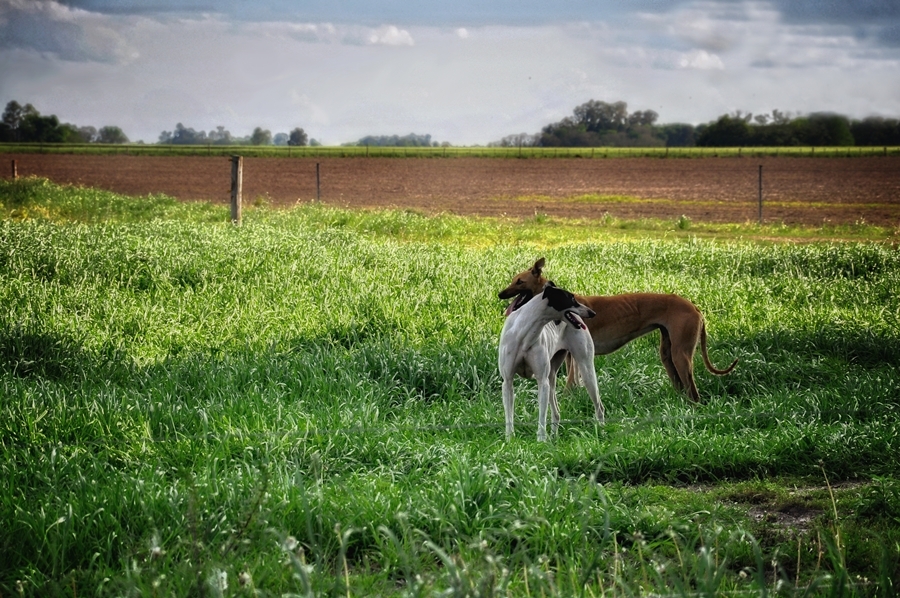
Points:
467	72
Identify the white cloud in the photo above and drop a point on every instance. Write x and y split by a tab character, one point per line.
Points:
462	33
305	32
390	35
46	26
700	59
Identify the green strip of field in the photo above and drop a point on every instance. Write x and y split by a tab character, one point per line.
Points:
41	200
309	404
443	152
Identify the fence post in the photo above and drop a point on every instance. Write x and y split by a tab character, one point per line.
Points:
237	175
15	171
760	194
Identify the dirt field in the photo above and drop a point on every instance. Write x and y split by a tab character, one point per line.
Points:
795	190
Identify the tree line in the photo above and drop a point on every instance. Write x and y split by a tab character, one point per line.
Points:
182	135
411	140
25	124
601	124
592	124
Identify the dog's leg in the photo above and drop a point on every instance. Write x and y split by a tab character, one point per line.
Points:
509	400
684	363
583	353
665	354
543	400
554	406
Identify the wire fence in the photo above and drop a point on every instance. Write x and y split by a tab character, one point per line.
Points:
356	151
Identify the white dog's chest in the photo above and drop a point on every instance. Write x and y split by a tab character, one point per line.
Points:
533	359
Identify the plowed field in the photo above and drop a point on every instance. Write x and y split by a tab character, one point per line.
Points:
794	190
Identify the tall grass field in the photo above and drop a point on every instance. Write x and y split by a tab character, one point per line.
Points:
309	405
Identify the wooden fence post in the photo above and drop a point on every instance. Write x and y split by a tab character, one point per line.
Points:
237	175
15	171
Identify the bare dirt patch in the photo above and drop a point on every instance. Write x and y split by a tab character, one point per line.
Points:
795	190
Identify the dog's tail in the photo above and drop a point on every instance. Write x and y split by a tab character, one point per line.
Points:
706	360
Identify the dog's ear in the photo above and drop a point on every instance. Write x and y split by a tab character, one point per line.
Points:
538	267
551	290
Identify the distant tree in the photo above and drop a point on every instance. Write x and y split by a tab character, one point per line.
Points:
518	140
876	130
411	140
220	136
678	135
261	136
596	123
315	142
780	118
596	116
643	118
13	117
43	129
111	135
728	131
183	136
298	137
280	139
824	129
87	134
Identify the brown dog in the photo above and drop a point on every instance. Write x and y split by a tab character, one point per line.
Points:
622	318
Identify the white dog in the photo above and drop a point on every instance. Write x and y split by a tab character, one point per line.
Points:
536	337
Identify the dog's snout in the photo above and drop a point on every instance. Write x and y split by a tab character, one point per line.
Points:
591	313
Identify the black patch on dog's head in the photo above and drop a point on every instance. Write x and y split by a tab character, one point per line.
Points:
564	301
559	299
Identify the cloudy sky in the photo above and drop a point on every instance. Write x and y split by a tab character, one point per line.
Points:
465	71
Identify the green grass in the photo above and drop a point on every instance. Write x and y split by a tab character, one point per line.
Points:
137	149
309	404
37	199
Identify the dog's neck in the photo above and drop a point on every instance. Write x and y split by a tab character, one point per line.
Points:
531	318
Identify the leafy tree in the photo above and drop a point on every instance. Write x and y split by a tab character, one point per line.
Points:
596	116
182	136
220	136
645	118
728	131
519	140
679	135
13	116
596	123
261	136
43	129
111	135
876	130
298	137
411	140
87	134
825	129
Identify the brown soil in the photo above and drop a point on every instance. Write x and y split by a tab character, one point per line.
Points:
795	190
